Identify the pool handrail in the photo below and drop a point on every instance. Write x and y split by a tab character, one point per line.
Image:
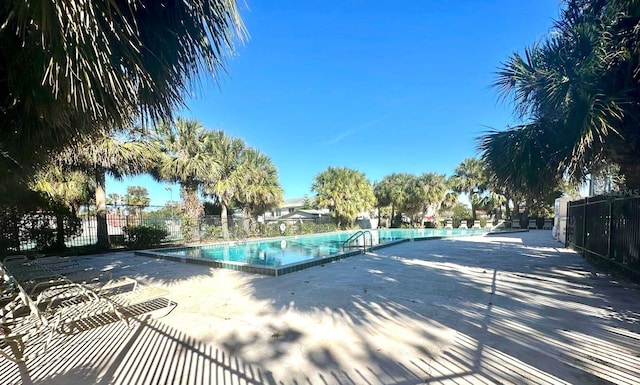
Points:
360	233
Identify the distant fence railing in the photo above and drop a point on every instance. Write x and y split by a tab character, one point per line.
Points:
24	231
607	227
37	231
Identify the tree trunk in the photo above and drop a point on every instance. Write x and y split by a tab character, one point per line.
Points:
101	210
507	209
60	232
393	214
192	211
473	212
223	219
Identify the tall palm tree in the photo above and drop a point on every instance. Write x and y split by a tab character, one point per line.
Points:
118	156
225	184
260	190
392	190
185	160
470	178
422	192
434	189
77	69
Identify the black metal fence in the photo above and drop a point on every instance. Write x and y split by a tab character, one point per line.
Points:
25	232
607	227
39	231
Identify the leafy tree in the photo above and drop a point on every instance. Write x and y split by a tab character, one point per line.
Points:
76	69
459	213
470	178
346	192
159	215
577	94
307	204
137	198
114	199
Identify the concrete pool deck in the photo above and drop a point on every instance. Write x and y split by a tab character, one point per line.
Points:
502	309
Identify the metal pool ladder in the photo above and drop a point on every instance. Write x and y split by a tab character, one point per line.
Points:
360	233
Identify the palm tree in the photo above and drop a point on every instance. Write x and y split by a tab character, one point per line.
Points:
517	161
260	190
345	192
493	202
434	189
185	160
450	198
422	192
136	198
80	69
392	190
577	92
116	155
225	184
470	178
66	190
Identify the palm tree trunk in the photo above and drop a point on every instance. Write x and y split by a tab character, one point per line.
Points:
101	210
192	212
393	212
473	212
60	232
223	219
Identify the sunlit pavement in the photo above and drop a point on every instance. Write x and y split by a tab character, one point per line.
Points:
510	309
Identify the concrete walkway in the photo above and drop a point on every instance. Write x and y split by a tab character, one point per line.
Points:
510	309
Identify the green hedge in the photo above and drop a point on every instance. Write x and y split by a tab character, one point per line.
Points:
138	237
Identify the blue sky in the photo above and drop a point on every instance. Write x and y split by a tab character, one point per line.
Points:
380	86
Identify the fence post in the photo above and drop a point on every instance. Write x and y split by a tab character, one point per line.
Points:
610	226
584	225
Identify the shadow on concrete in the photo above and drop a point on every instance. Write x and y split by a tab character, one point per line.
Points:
506	309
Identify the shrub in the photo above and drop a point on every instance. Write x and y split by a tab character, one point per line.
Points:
238	233
306	228
137	237
212	233
189	228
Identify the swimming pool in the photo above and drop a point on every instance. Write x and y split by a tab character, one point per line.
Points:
277	256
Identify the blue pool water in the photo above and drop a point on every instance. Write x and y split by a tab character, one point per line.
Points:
386	235
274	253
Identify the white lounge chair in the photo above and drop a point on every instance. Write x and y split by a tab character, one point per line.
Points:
515	224
532	224
463	225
